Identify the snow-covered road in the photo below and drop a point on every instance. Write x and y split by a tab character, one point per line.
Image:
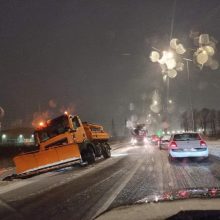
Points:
132	173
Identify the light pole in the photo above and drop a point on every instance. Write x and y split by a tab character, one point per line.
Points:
190	94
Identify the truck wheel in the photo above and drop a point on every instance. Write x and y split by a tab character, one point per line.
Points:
90	155
106	151
98	150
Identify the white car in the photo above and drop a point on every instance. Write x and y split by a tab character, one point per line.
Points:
163	143
187	145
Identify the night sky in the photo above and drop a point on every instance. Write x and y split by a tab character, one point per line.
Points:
93	55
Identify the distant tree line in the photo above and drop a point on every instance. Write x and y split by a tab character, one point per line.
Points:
206	120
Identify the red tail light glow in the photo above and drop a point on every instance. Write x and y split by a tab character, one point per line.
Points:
183	194
203	143
213	192
173	145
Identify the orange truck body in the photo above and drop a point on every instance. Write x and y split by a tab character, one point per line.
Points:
95	132
62	148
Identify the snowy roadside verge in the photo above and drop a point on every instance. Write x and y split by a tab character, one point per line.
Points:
214	148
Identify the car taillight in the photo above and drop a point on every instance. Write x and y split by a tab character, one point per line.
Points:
173	145
203	143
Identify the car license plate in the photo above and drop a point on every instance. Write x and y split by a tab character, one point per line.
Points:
189	149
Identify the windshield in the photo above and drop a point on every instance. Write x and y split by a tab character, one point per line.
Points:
106	102
53	128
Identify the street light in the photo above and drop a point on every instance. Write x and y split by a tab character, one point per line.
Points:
190	95
172	62
4	138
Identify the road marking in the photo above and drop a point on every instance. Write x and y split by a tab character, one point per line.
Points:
118	190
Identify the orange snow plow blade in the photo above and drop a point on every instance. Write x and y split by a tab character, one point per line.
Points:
39	160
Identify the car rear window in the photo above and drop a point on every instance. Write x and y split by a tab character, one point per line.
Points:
186	137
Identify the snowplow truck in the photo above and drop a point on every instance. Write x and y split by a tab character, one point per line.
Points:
64	140
139	134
